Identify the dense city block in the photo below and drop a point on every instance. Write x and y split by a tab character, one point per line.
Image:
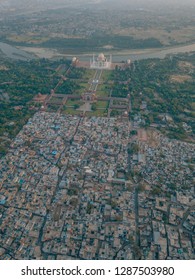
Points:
86	188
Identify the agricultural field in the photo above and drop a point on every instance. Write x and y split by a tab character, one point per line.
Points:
98	30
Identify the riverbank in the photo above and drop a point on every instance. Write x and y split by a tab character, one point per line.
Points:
27	53
135	54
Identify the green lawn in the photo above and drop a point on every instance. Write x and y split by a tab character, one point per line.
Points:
97	113
102	93
102	90
84	88
89	74
102	104
56	99
106	75
72	102
70	111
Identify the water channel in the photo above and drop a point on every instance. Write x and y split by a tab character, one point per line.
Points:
16	53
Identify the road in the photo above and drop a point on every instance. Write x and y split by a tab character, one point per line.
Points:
137	215
136	203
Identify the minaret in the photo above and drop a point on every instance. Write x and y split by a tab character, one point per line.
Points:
109	64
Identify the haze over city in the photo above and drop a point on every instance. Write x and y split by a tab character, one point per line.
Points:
113	3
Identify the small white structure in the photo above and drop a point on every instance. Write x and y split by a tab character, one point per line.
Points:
74	59
100	62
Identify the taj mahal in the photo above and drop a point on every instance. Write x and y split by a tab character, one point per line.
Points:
100	62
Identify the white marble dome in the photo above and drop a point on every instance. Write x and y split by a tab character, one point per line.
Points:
101	57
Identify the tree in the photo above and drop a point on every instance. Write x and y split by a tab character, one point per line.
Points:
76	106
133	132
93	107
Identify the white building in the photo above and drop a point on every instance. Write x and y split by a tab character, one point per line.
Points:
100	62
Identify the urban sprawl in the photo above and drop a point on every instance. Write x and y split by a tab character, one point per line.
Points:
77	187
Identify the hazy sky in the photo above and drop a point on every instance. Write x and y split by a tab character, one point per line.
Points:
149	4
127	2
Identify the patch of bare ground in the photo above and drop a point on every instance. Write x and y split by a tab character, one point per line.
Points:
142	135
153	137
4	68
180	78
185	65
150	136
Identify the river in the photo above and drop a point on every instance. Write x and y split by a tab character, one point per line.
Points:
32	53
144	54
15	53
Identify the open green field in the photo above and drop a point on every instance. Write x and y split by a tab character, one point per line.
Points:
102	104
97	113
106	75
83	88
28	38
103	91
70	111
55	100
73	102
89	74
